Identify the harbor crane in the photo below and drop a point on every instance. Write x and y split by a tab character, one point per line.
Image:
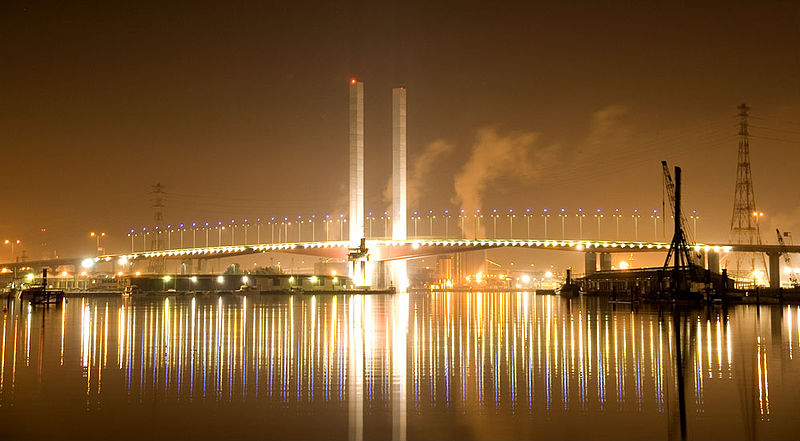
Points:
792	276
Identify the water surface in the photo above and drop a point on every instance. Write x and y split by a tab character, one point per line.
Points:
403	366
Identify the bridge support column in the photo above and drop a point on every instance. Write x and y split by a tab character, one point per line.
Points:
590	259
605	261
202	266
701	258
713	261
774	270
379	277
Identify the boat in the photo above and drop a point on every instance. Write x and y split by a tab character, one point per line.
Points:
569	289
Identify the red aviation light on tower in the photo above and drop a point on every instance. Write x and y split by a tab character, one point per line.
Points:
352	81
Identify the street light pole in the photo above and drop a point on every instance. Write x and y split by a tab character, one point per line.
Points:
545	215
299	229
494	223
528	220
599	216
563	216
655	217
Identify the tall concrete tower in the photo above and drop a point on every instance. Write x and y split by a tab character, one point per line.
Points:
399	230
399	188
356	218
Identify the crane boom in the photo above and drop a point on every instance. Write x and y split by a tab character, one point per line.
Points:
786	258
669	184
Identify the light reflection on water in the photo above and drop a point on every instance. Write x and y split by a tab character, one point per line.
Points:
439	365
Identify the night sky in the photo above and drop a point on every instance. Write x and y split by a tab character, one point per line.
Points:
241	109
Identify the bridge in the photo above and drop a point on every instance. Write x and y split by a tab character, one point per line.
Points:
380	251
362	248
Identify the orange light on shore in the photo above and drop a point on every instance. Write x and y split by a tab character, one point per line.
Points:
352	81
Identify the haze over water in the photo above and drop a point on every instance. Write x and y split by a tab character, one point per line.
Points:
404	366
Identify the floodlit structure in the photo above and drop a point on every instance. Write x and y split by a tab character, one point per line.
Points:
356	219
399	187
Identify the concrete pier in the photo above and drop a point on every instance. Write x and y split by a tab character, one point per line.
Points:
713	261
774	270
590	260
605	261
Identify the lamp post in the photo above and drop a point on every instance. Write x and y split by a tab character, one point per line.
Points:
97	237
246	227
207	229
694	218
446	223
616	218
478	217
385	219
258	230
341	226
545	215
528	220
580	215
181	229
757	214
431	217
285	224
169	236
194	234
144	238
272	229
233	232
655	218
415	217
132	234
599	216
13	244
313	228
511	217
327	222
636	217
299	229
369	224
494	223
461	217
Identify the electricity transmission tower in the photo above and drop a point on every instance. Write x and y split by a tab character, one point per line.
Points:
744	222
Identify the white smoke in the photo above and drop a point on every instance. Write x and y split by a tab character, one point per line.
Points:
419	171
495	155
